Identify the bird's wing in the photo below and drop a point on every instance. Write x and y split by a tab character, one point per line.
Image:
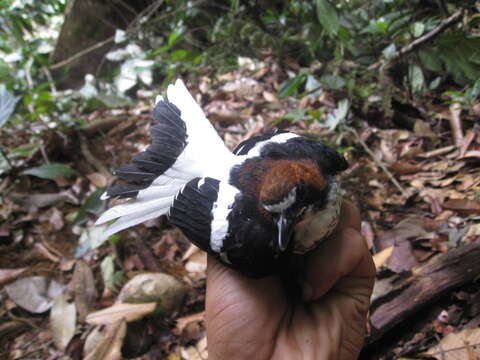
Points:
184	146
201	209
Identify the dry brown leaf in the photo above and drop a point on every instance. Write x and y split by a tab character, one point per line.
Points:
404	168
197	263
98	179
185	320
439	194
467	181
402	257
382	257
368	233
422	128
458	346
11	328
109	346
472	153
409	228
192	249
162	289
84	288
270	97
376	200
117	312
198	352
473	230
56	219
463	205
63	319
226	117
389	154
35	294
37	201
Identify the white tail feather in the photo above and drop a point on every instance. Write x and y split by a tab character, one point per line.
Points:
133	219
204	155
134	207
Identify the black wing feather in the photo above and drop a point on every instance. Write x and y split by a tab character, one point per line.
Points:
191	210
169	139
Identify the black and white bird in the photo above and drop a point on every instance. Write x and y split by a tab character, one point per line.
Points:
275	195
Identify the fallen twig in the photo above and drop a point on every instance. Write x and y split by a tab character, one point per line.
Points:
101	125
378	162
456	124
437	152
97	164
445	24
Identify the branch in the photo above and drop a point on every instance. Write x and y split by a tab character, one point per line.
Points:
82	53
427	283
134	26
445	24
378	162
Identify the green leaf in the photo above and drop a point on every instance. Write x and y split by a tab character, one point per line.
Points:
292	85
327	16
435	83
111	278
382	26
49	171
334	82
4	163
430	60
7	104
93	203
390	51
107	268
416	78
312	84
23	151
338	115
174	35
295	115
90	239
178	55
418	28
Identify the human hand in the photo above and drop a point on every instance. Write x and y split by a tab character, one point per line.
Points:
255	319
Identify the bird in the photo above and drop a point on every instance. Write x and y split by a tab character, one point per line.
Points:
275	195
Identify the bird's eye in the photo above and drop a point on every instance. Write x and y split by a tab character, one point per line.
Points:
301	212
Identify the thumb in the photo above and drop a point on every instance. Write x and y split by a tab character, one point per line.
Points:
344	254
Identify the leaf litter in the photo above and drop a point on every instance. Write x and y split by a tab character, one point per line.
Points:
50	239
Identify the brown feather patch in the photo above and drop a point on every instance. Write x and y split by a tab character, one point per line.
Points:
285	175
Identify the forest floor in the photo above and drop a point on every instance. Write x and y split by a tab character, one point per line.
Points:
417	186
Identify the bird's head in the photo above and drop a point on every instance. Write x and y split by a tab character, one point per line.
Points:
289	190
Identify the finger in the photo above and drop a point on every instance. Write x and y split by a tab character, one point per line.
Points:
349	216
223	283
344	254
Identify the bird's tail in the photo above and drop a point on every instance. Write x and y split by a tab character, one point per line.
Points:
184	146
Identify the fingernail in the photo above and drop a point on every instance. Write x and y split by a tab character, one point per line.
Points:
307	291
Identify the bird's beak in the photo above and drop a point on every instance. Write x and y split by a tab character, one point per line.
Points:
283	233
